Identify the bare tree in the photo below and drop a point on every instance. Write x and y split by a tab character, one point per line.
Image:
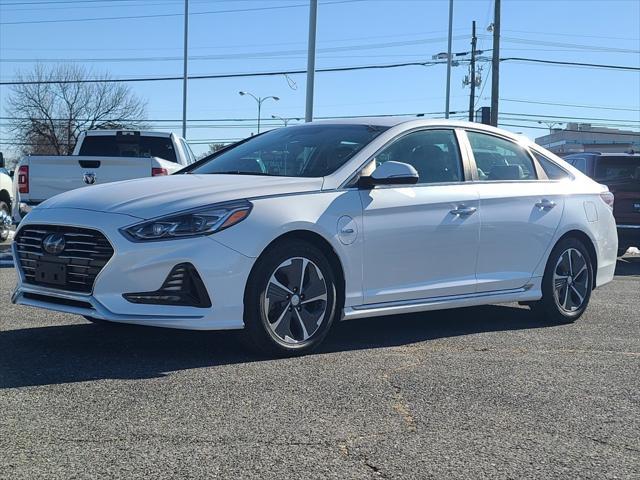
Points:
53	105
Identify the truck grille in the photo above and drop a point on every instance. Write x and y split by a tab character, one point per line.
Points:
85	253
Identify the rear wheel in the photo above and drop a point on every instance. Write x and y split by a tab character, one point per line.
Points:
290	302
567	283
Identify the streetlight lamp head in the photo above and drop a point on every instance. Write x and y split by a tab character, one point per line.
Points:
242	93
276	98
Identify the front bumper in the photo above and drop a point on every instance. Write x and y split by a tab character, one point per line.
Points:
141	267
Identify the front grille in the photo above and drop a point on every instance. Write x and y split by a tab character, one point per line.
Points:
85	253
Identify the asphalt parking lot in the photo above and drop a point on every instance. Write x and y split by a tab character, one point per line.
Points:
486	392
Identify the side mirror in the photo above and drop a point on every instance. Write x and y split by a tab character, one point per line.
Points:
11	172
1	160
391	173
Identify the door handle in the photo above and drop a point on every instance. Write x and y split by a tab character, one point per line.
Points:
545	204
463	211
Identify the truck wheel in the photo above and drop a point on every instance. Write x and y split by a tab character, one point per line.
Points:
5	213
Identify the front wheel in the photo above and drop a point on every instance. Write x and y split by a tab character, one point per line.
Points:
567	283
5	221
290	301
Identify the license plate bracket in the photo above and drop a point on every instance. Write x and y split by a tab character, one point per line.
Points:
51	273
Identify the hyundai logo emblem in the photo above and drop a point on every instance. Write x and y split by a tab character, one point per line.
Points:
89	178
54	243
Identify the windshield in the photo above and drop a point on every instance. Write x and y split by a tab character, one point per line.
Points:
299	151
618	168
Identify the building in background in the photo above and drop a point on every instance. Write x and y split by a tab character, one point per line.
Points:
583	137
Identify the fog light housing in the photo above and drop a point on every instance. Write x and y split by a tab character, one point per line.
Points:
182	287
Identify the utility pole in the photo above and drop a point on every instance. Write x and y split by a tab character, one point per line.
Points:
184	73
448	94
311	59
495	65
472	97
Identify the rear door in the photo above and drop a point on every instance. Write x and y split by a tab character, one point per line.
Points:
520	210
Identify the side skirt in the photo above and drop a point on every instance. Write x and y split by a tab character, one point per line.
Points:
528	293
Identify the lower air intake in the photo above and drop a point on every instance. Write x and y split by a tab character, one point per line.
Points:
182	287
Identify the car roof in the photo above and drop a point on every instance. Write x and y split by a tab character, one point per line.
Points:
410	122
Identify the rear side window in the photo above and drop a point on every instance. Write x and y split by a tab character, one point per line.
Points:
553	171
498	159
618	168
128	146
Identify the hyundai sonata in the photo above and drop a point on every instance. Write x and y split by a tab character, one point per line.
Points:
289	231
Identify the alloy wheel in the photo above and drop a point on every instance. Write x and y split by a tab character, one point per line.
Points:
570	280
295	301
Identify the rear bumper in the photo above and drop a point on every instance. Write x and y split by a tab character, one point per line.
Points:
628	235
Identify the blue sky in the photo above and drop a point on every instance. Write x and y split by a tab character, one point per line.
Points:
350	32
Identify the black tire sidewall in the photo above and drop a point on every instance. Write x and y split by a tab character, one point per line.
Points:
256	324
4	234
548	302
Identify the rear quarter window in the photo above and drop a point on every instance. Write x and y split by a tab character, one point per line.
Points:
553	171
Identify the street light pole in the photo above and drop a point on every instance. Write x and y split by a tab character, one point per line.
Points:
184	73
284	120
495	65
259	100
311	59
446	108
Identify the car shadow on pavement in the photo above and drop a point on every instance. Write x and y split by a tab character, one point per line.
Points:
83	352
628	266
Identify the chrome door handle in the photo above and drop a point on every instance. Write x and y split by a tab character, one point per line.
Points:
545	204
463	211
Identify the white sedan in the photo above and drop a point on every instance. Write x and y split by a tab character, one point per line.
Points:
289	231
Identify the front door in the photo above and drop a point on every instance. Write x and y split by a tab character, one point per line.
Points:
421	241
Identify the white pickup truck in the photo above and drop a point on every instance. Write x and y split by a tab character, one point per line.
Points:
100	156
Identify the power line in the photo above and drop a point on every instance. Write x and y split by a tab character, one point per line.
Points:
225	75
165	15
575	64
595	107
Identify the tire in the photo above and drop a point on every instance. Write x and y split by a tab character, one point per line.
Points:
574	283
278	316
4	230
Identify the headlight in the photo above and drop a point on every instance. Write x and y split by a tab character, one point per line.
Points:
192	223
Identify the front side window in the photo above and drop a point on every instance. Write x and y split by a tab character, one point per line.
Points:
498	159
433	153
553	171
298	151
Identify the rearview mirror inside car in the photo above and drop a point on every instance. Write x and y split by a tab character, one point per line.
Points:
390	173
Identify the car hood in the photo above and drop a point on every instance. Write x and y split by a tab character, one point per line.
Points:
152	197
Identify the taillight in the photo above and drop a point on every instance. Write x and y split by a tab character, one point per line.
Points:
608	198
158	172
23	179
